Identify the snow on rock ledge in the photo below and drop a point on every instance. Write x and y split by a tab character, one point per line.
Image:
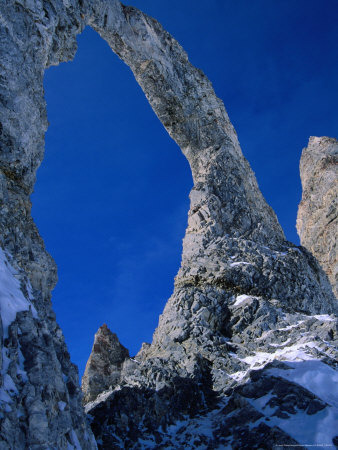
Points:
12	299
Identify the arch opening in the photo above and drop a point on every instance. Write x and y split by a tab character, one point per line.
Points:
111	200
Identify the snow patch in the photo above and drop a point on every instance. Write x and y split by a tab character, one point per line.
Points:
315	376
9	385
239	263
62	405
75	441
309	430
324	318
240	299
4	397
295	352
20	370
259	360
12	299
100	398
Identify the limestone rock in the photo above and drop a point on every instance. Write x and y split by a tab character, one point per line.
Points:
244	297
317	221
40	397
104	366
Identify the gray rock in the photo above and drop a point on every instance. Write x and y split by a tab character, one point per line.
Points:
104	366
243	296
317	222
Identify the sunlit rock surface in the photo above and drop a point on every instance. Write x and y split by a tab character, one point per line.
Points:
317	221
246	342
103	369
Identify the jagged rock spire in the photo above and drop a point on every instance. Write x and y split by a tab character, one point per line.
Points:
103	368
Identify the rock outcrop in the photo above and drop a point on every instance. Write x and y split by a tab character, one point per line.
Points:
247	304
317	221
40	397
244	297
103	369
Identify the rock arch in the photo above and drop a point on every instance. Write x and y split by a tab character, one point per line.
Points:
233	245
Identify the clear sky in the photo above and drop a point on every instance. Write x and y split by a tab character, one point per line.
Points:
111	197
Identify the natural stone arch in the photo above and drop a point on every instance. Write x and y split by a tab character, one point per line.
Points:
184	101
234	244
225	197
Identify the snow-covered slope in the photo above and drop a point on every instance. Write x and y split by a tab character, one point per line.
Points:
278	388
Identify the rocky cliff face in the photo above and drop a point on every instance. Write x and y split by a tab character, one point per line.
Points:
249	309
40	398
317	221
248	324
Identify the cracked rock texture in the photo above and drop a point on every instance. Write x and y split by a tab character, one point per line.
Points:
317	221
103	369
250	313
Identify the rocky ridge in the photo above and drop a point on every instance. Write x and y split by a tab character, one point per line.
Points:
240	290
317	222
250	388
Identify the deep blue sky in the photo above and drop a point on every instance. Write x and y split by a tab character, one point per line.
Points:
111	197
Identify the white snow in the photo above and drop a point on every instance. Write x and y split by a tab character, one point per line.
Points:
100	398
9	385
12	299
289	327
324	318
75	441
315	376
283	344
239	263
257	361
315	430
20	367
4	397
5	360
292	353
240	299
62	405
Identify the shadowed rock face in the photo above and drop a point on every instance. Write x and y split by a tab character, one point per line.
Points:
103	369
239	291
317	221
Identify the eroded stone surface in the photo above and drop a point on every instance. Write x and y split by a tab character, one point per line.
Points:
40	397
243	297
317	221
103	369
240	290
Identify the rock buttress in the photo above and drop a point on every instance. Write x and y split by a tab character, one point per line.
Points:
317	221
